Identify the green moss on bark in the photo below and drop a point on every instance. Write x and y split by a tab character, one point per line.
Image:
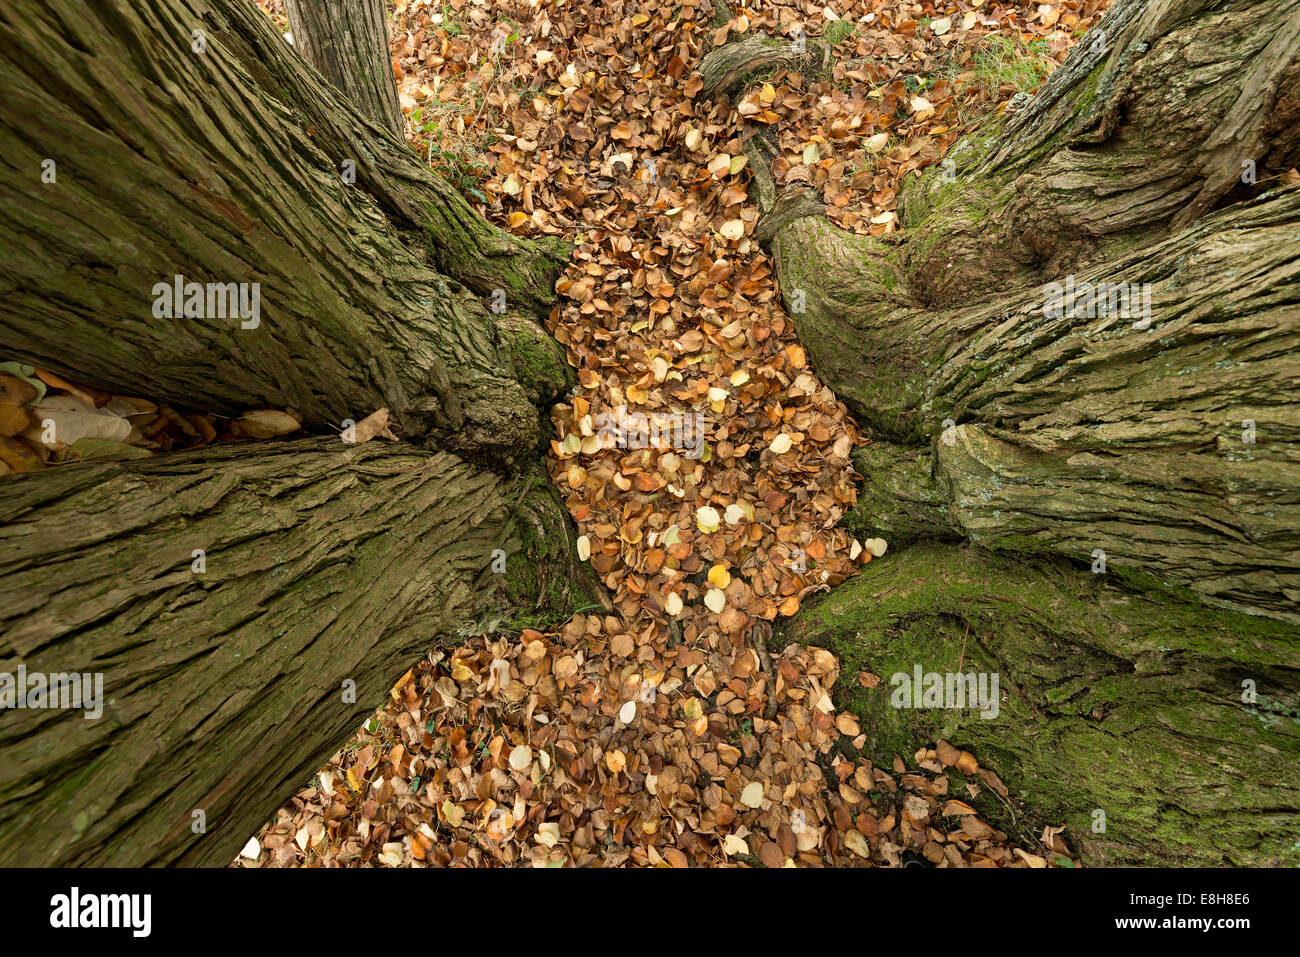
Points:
544	583
1111	702
540	365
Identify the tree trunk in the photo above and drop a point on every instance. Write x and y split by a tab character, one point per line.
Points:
185	138
1128	718
347	40
1160	448
1167	443
1080	436
376	280
224	688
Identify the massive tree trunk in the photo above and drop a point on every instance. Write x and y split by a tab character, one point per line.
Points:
1168	441
245	607
1156	731
1159	448
1081	435
187	139
347	40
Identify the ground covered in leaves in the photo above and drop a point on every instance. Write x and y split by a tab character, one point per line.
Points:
46	420
704	464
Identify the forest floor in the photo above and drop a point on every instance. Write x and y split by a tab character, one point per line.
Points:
668	733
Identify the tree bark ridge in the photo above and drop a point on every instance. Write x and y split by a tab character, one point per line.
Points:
347	40
245	184
1157	732
1169	443
224	687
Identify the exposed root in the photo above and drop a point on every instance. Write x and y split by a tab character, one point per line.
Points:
724	68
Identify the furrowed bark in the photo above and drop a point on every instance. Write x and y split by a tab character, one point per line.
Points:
1173	449
223	690
458	241
1171	445
1165	455
731	65
347	40
219	156
1158	732
1151	123
184	138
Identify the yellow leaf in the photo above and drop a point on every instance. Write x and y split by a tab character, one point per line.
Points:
876	143
734	845
707	517
548	833
521	758
453	814
856	842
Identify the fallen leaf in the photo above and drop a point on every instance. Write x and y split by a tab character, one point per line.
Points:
266	423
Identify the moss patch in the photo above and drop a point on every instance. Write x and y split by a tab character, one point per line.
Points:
539	363
544	582
836	31
1111	703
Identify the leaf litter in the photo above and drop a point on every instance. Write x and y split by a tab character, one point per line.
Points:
705	465
47	421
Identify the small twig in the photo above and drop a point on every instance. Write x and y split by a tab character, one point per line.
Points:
759	638
963	648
